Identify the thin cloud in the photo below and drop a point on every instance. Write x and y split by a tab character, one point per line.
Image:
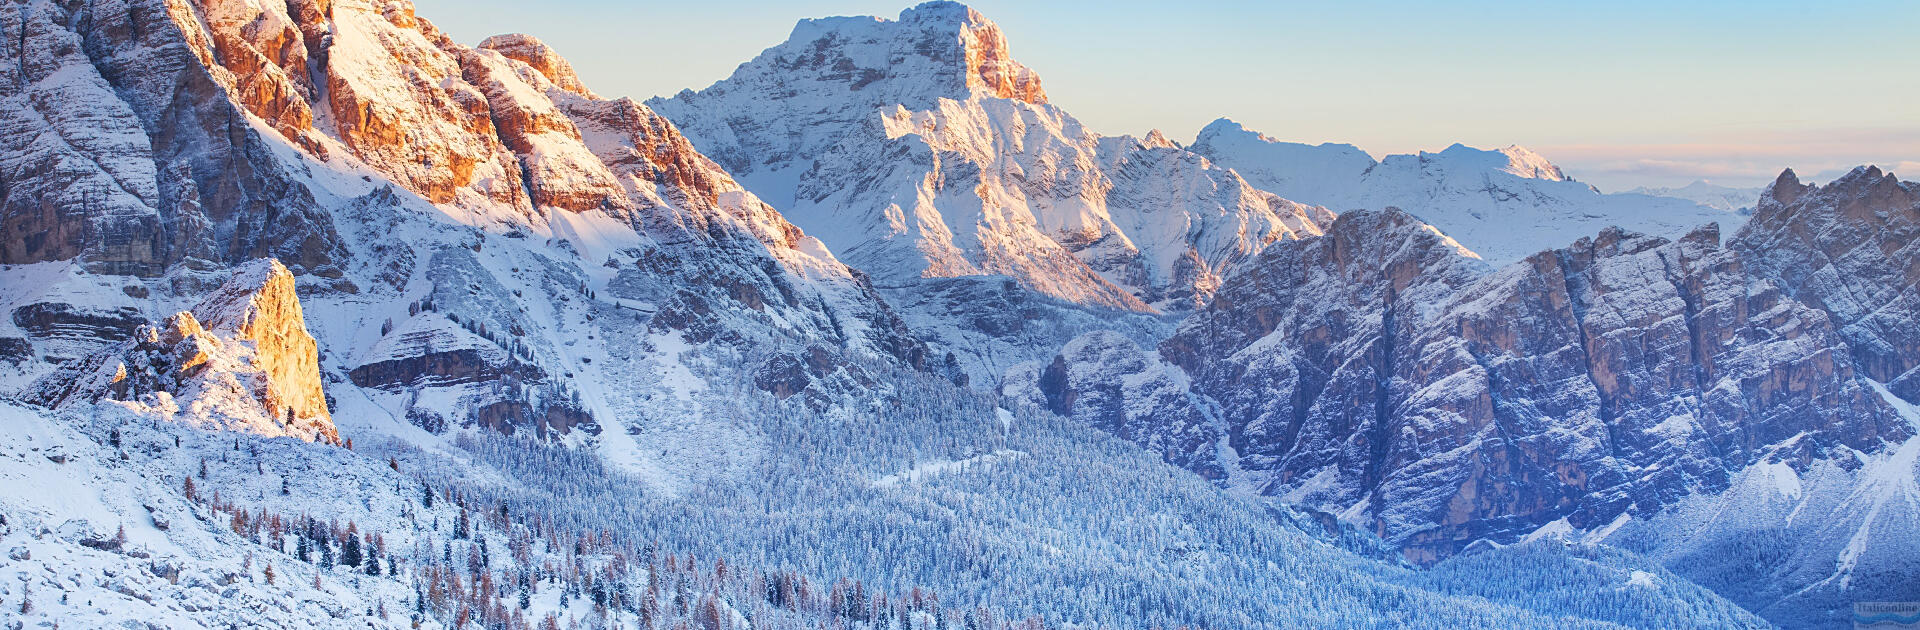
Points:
1739	159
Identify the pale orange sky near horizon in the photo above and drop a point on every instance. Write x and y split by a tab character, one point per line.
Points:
1621	94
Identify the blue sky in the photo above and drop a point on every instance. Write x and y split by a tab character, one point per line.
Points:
1619	93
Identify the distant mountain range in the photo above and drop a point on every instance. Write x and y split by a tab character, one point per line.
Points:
1737	200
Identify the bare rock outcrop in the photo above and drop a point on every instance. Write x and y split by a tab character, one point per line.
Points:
537	54
1852	249
988	62
240	360
258	306
120	146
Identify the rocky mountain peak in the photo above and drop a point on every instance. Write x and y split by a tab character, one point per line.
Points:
240	360
836	76
1851	248
932	51
1526	162
1157	140
505	132
1785	189
1865	193
990	64
258	305
986	61
1873	185
918	147
530	50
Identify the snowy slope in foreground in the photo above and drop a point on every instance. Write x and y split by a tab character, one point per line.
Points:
118	518
934	505
1504	205
120	521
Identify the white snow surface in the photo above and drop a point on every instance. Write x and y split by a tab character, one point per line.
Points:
1503	204
179	567
1709	194
1832	520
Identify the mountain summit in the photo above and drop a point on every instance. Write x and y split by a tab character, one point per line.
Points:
919	148
832	72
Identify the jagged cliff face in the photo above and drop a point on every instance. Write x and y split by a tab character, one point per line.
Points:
386	85
169	140
240	360
259	306
832	74
1852	249
1380	374
505	131
121	147
502	129
919	148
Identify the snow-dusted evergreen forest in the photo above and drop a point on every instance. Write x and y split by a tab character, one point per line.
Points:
949	519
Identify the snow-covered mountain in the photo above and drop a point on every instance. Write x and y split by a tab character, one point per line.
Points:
546	351
360	146
918	147
1736	200
1709	402
1504	205
318	318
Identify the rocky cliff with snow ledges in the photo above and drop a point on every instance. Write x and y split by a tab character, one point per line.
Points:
1379	374
895	142
242	360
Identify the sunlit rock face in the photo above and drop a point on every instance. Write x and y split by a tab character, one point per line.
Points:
393	85
174	140
240	360
258	305
147	153
541	58
918	148
121	146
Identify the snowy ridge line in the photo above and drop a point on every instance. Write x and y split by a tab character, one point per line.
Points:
1503	204
880	137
